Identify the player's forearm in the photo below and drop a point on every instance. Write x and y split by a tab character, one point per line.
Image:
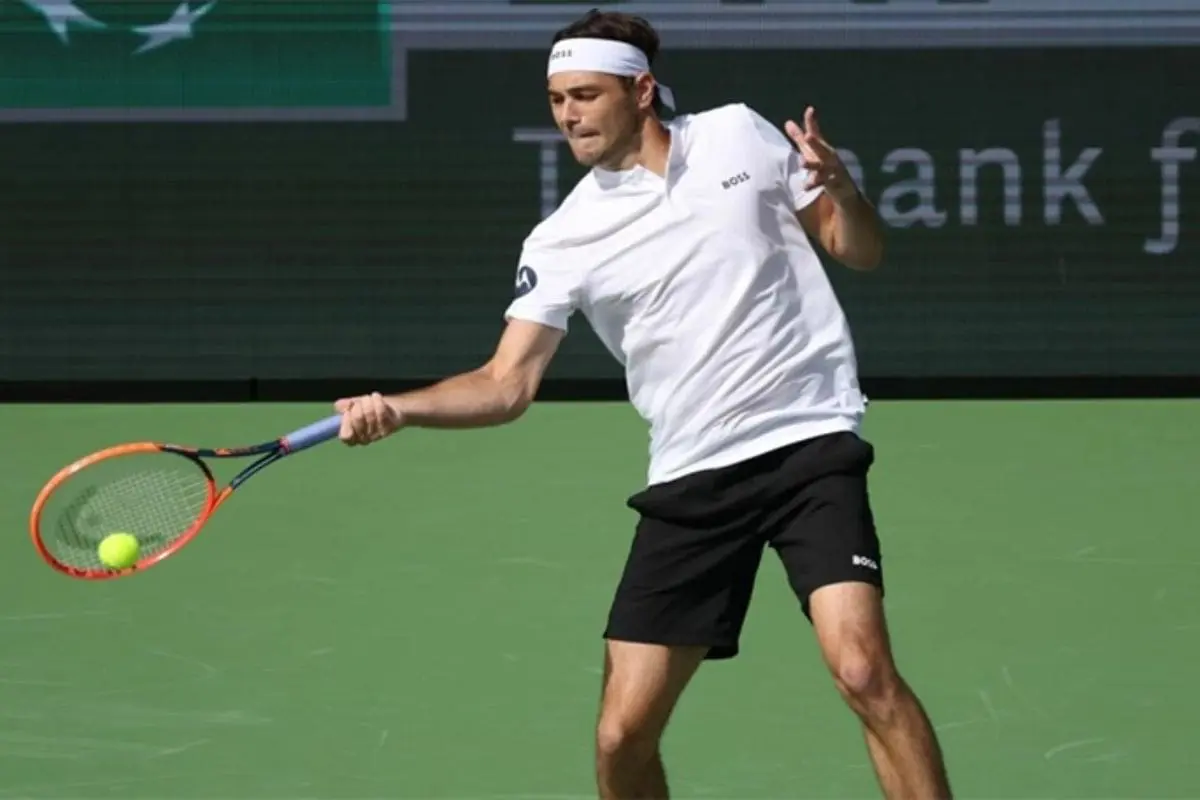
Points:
857	233
475	399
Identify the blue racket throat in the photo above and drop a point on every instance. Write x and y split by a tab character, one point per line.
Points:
294	442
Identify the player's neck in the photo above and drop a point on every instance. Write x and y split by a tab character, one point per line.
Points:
651	149
656	147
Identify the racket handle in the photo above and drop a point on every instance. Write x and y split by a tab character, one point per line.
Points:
313	434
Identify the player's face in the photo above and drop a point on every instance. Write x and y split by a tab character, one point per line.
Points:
597	113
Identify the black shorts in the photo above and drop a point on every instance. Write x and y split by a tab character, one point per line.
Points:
698	545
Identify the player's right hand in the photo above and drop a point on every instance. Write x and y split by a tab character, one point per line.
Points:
367	418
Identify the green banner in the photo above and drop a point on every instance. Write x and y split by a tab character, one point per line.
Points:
194	54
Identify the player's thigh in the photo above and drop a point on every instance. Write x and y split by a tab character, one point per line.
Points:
687	585
642	684
825	533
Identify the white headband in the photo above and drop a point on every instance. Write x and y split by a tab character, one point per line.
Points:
603	55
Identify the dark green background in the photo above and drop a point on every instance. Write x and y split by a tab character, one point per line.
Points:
387	250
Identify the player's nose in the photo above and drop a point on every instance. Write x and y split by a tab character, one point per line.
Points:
571	113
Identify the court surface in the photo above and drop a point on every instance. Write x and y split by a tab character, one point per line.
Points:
421	619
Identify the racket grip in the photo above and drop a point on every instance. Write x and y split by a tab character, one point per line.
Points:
313	434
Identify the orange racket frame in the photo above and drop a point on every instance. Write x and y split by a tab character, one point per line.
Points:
269	453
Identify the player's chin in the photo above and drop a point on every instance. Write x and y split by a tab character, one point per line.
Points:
587	151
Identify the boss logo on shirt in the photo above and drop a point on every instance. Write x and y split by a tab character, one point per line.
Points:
741	177
526	281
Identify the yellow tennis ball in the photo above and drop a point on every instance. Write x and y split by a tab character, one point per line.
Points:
119	550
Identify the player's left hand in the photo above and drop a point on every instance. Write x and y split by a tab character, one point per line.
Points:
822	161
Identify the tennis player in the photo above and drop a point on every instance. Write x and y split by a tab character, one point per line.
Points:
687	248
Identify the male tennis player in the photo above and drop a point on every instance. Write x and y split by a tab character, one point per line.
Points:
685	247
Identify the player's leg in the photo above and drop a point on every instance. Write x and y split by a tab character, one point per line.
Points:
642	684
682	599
825	536
851	628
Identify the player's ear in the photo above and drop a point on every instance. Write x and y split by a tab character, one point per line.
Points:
643	90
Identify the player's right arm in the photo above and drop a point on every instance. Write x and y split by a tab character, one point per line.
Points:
501	390
496	393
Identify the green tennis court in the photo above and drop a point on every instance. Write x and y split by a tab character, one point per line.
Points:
421	619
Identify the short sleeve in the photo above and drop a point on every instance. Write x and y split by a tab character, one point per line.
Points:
781	151
544	291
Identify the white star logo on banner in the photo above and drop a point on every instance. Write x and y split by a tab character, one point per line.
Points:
60	15
175	29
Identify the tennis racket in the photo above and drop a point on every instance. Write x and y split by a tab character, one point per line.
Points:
162	494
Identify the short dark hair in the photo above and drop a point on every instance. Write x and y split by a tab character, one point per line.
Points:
615	26
618	27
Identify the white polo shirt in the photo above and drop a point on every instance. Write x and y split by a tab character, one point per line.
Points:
706	289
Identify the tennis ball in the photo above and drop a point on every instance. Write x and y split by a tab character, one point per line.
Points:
119	550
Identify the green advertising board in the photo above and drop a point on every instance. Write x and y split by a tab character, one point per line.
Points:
77	60
1041	200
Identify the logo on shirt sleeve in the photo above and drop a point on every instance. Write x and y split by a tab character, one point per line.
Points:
526	281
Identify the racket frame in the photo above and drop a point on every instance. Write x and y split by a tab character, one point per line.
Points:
268	452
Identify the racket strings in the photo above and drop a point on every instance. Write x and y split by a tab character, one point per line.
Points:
156	504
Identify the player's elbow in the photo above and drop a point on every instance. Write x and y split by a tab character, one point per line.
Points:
869	258
514	391
517	401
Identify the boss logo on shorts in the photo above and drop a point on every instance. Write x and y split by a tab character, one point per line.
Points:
863	561
729	183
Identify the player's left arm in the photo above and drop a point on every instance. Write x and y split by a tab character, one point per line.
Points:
840	217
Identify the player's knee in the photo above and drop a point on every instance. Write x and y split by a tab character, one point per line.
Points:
866	679
623	738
